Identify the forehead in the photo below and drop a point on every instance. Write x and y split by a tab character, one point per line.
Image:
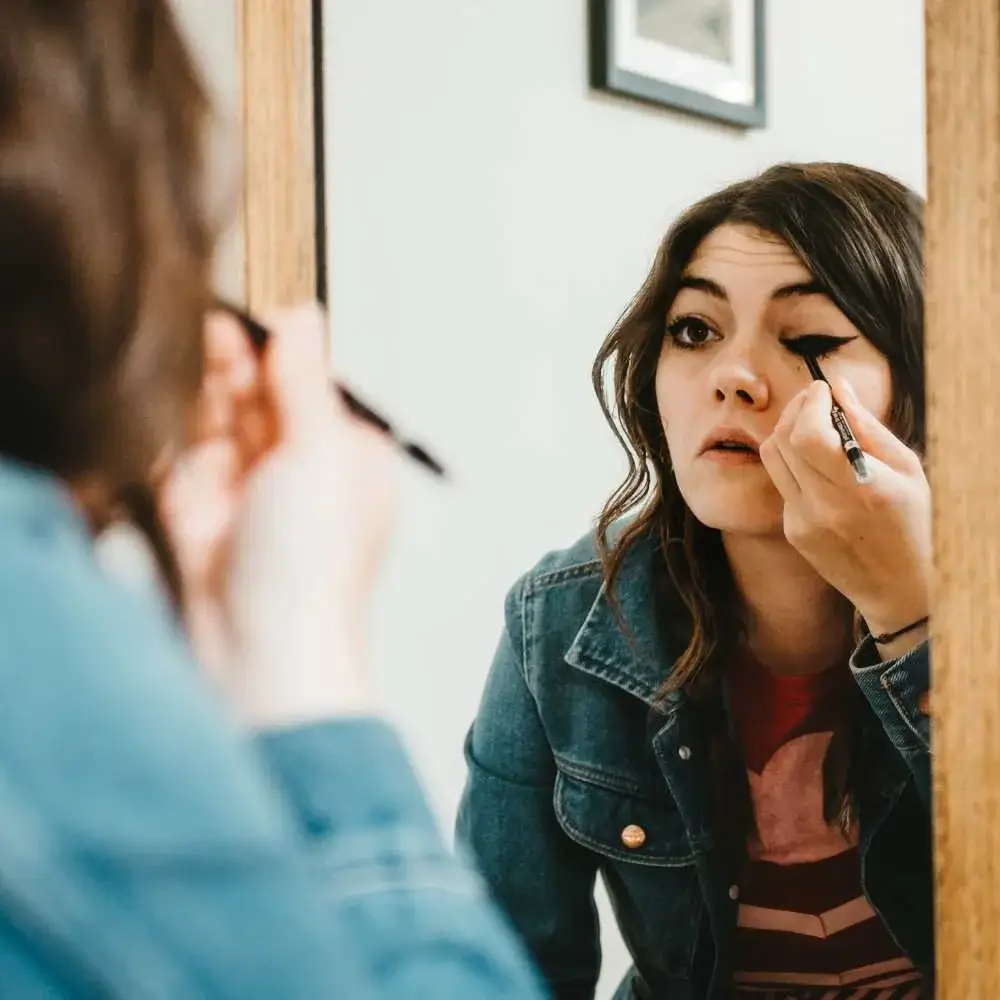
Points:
741	254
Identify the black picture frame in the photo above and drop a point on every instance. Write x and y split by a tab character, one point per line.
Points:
607	75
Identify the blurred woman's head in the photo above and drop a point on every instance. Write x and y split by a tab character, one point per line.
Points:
106	236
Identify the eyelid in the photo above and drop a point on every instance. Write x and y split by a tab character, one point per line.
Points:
691	318
822	343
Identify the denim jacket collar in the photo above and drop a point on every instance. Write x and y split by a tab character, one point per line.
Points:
635	658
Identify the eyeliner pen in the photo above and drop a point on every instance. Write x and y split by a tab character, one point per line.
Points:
847	439
259	336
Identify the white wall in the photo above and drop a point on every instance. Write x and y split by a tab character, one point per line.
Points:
211	31
488	220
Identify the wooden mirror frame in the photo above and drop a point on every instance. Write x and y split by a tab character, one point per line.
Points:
963	411
283	216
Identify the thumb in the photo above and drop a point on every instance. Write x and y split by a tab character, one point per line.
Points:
295	372
874	437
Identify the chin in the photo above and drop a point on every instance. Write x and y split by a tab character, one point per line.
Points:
736	508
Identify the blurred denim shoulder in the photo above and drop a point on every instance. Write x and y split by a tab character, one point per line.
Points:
149	849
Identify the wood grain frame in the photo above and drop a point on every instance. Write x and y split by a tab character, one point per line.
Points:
963	374
283	216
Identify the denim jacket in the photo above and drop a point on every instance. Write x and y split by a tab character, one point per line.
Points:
149	851
566	752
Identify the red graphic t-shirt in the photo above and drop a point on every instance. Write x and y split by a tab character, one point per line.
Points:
805	929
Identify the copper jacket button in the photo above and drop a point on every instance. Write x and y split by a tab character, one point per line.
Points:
633	836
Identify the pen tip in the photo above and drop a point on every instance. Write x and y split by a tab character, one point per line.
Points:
415	451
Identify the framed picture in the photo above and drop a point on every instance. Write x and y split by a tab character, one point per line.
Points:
705	57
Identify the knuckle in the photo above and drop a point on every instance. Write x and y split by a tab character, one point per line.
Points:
912	462
798	531
806	438
816	526
879	499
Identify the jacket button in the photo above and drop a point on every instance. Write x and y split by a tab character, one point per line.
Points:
633	836
684	752
734	892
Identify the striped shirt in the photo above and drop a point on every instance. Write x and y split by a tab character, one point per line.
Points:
805	928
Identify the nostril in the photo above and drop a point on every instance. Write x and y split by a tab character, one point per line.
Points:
744	395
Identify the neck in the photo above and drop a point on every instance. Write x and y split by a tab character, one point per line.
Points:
796	622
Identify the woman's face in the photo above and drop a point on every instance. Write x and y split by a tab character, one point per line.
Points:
727	369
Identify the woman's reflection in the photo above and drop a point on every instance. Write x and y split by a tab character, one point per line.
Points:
716	700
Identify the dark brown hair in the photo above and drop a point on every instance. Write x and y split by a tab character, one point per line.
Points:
860	234
105	241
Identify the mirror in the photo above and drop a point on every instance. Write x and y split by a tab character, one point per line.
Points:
485	214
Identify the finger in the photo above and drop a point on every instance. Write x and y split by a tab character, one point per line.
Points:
296	372
256	430
197	477
777	468
874	437
197	504
790	413
812	446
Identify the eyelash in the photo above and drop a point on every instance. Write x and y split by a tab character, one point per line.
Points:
818	345
682	323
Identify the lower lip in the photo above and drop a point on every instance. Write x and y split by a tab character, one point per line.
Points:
725	456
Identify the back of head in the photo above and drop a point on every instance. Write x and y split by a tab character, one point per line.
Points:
105	241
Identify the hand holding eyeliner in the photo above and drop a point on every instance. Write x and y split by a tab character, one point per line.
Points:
847	439
259	336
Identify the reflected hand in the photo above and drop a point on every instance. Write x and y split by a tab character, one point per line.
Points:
870	541
280	514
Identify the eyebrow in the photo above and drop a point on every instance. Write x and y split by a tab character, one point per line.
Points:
713	288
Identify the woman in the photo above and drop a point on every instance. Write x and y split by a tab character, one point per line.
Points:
149	848
680	701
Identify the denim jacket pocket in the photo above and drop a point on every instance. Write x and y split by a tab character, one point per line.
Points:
607	820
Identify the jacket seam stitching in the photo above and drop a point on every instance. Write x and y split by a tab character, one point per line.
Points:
603	779
899	704
647	861
551	577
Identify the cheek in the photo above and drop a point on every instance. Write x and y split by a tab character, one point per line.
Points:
872	383
669	398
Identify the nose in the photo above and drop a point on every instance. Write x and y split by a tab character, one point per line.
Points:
738	381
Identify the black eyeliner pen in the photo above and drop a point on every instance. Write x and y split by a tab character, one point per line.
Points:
847	439
259	336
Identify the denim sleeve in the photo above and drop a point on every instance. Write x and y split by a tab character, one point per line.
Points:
416	919
507	821
897	692
149	850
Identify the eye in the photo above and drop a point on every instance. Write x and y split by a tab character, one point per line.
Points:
690	332
816	345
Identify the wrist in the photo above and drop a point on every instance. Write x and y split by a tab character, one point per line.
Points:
893	637
890	612
298	681
290	706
